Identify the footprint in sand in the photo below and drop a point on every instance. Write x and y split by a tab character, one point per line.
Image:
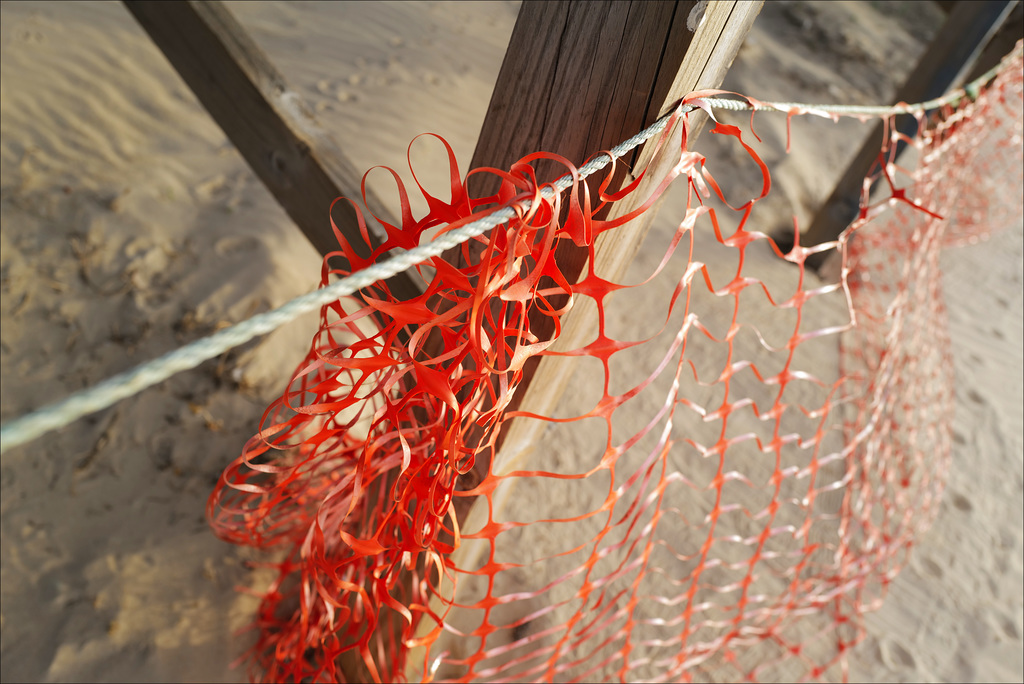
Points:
234	245
961	502
895	656
210	188
929	567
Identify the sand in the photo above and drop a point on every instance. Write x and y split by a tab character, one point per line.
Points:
124	207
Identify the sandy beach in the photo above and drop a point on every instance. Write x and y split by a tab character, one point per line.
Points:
130	225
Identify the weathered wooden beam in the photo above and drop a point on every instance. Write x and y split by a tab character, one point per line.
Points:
944	66
696	60
271	126
598	72
611	68
579	77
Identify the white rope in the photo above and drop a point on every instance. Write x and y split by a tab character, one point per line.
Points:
953	98
842	110
124	385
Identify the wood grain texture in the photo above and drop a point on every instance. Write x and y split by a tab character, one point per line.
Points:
578	77
714	46
271	126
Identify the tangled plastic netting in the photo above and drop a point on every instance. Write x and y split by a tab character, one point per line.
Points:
721	493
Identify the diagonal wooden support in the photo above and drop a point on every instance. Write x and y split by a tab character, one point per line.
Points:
271	126
944	66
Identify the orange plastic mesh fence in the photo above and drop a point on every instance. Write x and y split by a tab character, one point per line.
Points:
722	492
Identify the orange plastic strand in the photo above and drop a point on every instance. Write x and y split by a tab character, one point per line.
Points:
716	500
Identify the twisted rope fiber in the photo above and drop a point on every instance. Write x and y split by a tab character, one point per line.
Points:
953	97
131	382
126	384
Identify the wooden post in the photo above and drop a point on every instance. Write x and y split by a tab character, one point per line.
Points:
943	66
693	60
271	126
612	68
579	77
